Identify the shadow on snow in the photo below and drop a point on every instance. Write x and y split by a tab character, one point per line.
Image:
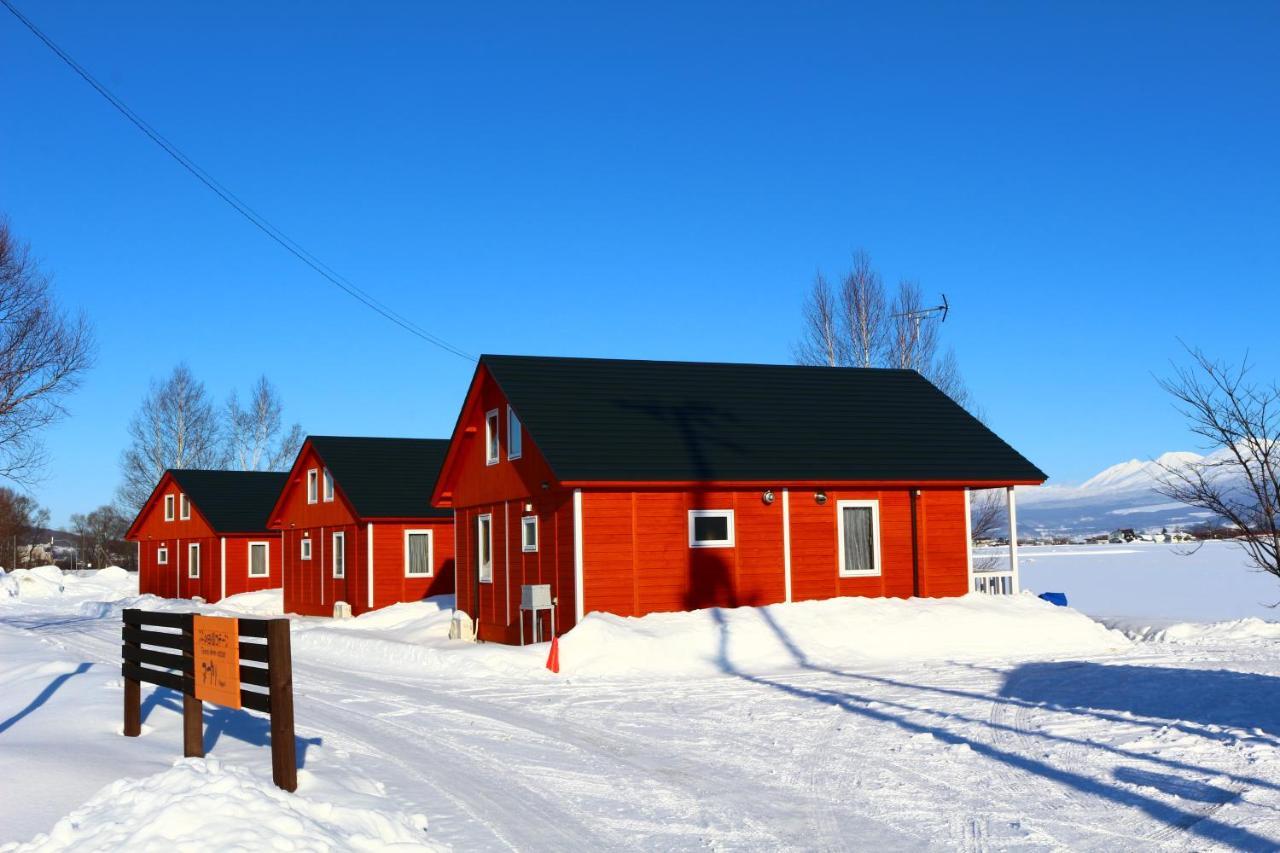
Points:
240	725
884	711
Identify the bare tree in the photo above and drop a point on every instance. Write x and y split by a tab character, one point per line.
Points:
862	317
858	327
175	427
822	342
101	536
20	520
1239	481
43	354
256	436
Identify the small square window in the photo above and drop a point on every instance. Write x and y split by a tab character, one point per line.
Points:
529	533
515	440
710	528
168	507
184	508
313	482
328	485
162	556
304	549
491	452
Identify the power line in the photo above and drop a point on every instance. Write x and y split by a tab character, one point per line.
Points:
259	221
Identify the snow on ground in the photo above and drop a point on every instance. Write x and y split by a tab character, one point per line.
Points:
970	724
202	804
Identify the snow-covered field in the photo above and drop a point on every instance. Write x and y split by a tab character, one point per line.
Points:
972	724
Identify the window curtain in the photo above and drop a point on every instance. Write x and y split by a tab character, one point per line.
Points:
418	554
857	539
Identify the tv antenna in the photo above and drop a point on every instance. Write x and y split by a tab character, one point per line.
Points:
919	314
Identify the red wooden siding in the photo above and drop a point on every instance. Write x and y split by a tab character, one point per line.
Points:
636	553
309	585
498	603
151	531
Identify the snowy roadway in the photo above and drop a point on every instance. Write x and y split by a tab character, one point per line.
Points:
1160	746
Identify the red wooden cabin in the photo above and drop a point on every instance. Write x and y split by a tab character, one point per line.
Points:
639	486
205	533
358	526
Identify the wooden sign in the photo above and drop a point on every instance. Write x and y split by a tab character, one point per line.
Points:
216	648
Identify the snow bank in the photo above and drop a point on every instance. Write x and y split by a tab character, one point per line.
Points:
412	637
263	603
202	804
40	582
832	633
1199	633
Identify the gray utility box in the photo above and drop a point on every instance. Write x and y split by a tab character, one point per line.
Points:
535	596
534	599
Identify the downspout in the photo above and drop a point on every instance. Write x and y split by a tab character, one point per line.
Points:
578	604
369	562
786	544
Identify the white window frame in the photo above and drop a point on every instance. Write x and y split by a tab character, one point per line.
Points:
431	554
304	548
339	536
193	566
711	513
266	560
313	485
184	507
482	522
874	506
168	507
328	486
162	555
492	440
515	439
527	522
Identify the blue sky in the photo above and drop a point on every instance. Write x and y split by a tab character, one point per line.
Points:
1086	183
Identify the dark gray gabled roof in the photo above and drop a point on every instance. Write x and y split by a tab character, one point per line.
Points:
607	419
385	477
232	501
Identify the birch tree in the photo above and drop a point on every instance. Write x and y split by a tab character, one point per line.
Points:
175	427
257	439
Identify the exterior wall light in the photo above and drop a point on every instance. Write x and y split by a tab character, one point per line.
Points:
767	497
820	497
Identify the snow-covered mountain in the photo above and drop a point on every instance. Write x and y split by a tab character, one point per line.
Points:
1123	495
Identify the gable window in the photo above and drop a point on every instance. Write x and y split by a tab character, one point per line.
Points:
858	538
313	479
193	560
259	565
710	528
184	508
304	549
417	553
328	485
514	439
529	533
491	438
484	548
162	556
339	555
168	507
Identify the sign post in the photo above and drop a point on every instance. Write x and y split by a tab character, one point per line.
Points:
208	659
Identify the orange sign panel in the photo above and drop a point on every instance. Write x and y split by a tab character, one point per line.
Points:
217	659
